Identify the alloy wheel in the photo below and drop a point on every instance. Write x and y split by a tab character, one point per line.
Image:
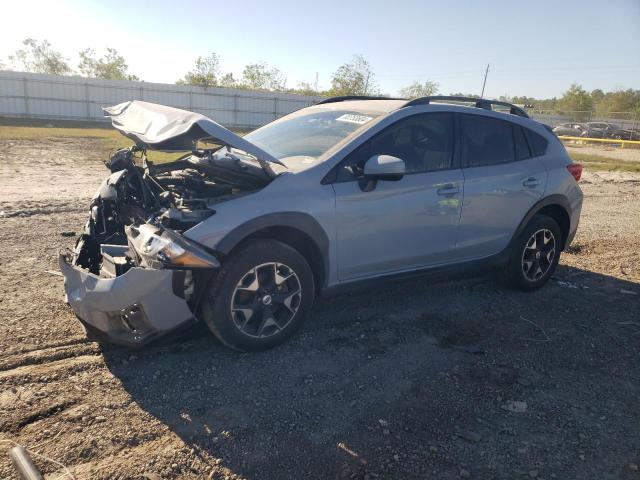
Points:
266	299
538	255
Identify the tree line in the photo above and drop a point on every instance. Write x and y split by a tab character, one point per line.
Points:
577	99
39	57
355	77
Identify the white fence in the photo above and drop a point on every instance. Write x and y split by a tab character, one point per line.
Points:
35	95
40	96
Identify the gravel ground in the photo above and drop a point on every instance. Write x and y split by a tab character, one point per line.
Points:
457	379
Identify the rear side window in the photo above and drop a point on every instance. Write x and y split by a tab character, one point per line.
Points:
537	143
486	141
522	148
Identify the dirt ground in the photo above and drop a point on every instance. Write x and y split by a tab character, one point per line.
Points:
609	151
457	379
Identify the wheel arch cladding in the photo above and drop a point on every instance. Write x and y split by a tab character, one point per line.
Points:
554	206
560	215
298	230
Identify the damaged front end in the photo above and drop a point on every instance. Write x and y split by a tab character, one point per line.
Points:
133	276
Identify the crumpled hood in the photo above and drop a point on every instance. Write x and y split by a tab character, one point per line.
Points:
158	127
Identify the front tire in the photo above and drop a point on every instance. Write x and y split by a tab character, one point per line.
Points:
260	297
534	254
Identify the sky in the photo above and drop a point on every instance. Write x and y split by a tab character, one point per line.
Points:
535	48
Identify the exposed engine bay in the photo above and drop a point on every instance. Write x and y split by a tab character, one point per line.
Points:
133	276
171	196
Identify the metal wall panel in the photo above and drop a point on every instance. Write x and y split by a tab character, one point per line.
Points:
12	87
34	95
12	106
42	108
164	97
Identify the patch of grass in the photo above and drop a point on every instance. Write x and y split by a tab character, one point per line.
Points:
602	163
108	138
14	132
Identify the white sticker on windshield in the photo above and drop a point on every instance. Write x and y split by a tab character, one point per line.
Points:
354	118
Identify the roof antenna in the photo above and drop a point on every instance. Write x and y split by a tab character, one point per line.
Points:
486	72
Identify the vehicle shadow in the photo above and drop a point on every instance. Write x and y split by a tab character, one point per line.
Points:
383	380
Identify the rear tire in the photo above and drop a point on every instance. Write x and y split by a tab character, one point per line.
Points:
260	297
534	254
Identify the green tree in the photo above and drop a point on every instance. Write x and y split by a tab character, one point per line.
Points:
597	95
111	66
39	57
619	101
471	95
576	99
205	73
417	89
228	81
354	78
538	105
305	88
259	76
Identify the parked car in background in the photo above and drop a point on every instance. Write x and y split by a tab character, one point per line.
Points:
609	130
352	189
628	134
570	129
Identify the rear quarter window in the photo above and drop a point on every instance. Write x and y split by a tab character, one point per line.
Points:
537	143
522	147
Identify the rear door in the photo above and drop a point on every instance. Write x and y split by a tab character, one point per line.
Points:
503	178
405	224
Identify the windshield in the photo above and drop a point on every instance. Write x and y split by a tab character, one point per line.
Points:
308	135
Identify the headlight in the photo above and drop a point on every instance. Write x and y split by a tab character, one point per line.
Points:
161	247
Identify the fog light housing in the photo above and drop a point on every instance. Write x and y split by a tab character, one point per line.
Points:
133	317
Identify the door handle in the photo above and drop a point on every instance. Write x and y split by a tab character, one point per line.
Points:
448	189
531	182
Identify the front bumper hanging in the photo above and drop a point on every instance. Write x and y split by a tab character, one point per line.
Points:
131	309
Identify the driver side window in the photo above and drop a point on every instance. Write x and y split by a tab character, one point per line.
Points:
423	141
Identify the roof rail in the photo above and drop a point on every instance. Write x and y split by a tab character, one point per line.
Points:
346	98
478	103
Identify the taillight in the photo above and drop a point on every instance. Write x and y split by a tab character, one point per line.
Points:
575	169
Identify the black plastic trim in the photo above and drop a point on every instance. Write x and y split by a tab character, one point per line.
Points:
303	222
437	273
555	199
177	282
457	141
132	341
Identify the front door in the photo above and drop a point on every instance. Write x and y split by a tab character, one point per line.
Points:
405	224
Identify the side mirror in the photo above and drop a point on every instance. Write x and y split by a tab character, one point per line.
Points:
381	167
384	167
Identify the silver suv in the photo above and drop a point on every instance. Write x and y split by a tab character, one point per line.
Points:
244	232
